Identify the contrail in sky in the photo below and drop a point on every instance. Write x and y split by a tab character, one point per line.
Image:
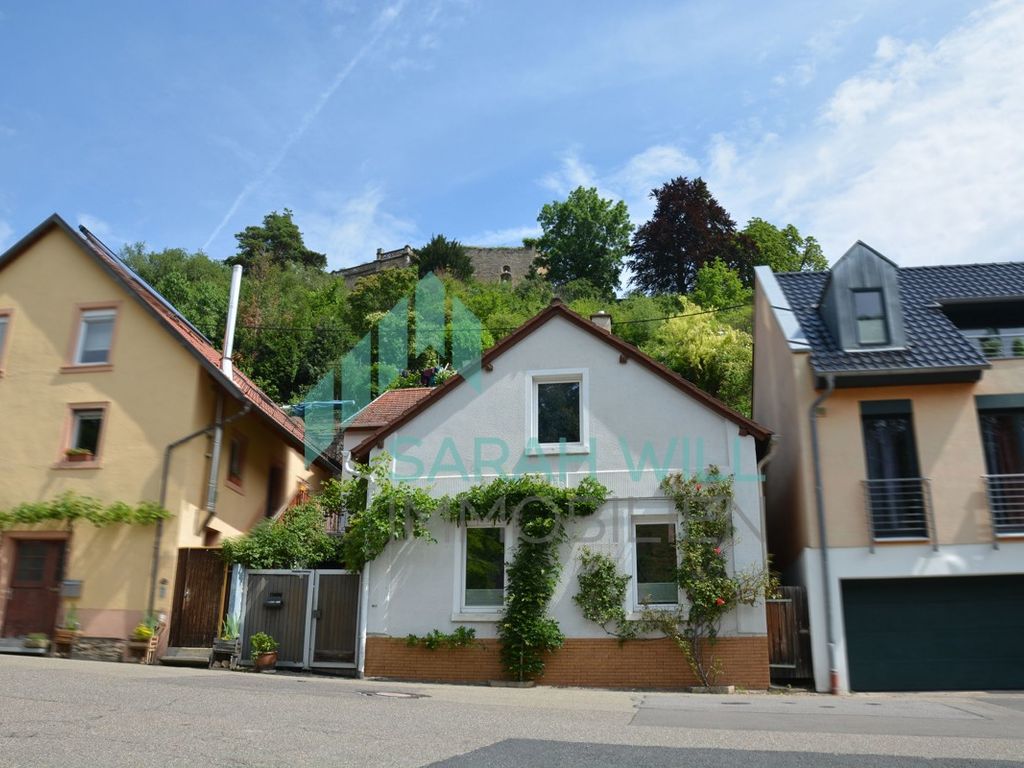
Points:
384	21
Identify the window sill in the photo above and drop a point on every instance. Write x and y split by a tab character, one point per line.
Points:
636	614
472	616
94	464
87	368
903	540
556	450
236	487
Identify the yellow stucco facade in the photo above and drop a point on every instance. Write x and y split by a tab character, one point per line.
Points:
153	392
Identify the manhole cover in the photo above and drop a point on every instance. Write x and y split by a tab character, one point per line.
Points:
393	694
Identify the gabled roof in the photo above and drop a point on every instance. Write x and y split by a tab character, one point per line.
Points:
933	341
388	407
239	386
558	309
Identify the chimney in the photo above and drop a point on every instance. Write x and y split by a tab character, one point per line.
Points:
380	252
229	329
602	320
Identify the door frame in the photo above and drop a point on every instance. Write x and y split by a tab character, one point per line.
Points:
311	620
8	553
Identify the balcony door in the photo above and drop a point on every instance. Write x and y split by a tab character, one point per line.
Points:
895	489
1002	433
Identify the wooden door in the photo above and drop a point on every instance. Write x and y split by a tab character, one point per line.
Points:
789	640
35	588
198	598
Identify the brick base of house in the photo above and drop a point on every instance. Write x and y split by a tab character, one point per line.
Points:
599	662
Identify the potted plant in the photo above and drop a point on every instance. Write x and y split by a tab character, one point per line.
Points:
78	454
264	651
37	640
64	636
225	649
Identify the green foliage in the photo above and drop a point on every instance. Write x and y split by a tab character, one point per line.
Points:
461	637
278	240
704	503
296	540
708	352
229	627
261	643
785	250
69	507
602	591
71	621
541	511
718	286
378	293
1018	347
583	237
441	255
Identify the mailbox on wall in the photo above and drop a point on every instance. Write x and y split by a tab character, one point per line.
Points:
71	588
273	601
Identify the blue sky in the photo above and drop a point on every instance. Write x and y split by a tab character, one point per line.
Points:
378	124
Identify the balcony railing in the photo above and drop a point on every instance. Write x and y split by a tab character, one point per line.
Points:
997	346
1006	501
899	508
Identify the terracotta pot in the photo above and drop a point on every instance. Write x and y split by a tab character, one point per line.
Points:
77	457
265	661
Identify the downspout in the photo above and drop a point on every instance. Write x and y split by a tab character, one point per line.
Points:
819	497
773	442
364	577
228	369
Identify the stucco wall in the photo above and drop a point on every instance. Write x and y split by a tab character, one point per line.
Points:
413	584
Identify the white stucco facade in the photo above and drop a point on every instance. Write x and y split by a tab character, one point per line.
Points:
635	421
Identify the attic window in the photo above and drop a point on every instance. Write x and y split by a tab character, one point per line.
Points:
869	309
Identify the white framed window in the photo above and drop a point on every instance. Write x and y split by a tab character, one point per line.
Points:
557	412
484	552
655	561
95	337
83	435
869	309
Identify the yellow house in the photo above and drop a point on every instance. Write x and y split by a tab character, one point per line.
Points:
896	492
106	391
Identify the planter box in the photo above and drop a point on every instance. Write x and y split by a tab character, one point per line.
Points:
713	689
512	683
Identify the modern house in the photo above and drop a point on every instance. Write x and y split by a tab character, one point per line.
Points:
108	392
896	492
490	264
564	398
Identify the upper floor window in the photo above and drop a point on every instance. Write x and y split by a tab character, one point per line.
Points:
95	337
236	460
5	324
869	309
84	435
558	411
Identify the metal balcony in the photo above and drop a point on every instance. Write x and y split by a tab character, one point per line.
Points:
1006	503
899	509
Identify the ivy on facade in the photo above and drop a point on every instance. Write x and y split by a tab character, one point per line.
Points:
69	508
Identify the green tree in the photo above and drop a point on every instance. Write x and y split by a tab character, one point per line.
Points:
376	294
195	284
279	239
707	352
689	229
718	286
441	255
583	237
785	250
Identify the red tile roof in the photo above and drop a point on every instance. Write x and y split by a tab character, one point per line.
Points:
390	405
239	385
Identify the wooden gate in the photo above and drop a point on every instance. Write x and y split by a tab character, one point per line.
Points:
312	614
198	598
789	636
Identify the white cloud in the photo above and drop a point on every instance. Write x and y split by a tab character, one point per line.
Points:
101	229
918	154
350	231
507	236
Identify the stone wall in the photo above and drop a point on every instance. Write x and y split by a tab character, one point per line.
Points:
99	649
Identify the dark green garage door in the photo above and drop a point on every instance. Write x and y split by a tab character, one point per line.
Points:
936	633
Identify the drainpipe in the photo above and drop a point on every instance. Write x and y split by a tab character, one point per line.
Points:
773	442
364	577
228	369
819	498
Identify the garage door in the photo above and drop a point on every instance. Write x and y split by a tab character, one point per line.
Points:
942	633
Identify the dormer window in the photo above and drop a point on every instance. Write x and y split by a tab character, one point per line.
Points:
869	309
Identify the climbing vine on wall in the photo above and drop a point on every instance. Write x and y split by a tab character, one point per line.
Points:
540	512
69	507
704	504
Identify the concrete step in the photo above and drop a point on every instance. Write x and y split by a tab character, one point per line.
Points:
186	657
15	645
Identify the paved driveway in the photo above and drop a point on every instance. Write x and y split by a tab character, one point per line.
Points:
68	713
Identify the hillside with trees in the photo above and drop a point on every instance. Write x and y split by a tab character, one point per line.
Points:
689	305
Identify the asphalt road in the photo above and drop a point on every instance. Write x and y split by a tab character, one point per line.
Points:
67	713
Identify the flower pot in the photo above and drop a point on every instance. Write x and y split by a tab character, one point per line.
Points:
265	661
36	642
77	457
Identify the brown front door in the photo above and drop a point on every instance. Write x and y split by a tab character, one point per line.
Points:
35	588
198	595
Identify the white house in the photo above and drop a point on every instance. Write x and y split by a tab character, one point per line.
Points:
620	415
